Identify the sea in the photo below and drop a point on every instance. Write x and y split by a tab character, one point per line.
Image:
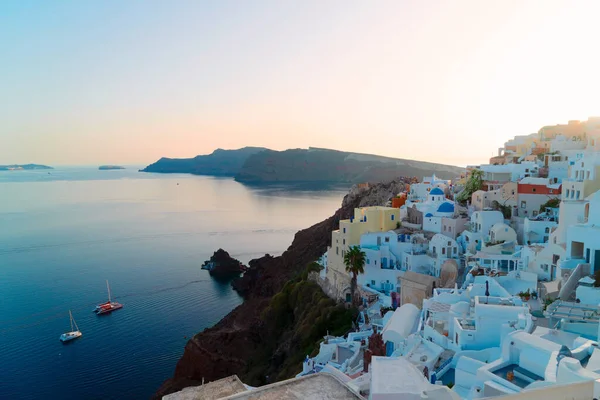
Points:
65	232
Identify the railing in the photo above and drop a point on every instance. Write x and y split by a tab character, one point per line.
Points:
440	369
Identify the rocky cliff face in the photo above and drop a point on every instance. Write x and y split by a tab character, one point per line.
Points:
247	342
322	165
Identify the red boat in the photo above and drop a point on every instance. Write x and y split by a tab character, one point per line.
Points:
109	306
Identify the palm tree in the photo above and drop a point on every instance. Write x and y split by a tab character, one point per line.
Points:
355	264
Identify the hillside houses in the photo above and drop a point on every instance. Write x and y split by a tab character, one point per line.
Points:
496	296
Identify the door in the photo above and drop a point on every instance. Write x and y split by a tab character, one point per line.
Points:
587	255
389	348
596	260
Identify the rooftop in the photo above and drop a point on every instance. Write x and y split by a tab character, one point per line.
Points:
213	390
321	386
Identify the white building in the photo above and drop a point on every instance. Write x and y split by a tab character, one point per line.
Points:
509	172
467	319
420	191
538	229
477	230
583	240
442	248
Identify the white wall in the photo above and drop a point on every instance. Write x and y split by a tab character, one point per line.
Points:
536	231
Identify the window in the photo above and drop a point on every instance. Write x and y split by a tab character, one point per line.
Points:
568	191
344	241
372	282
523	204
577	195
387	239
547	229
449	243
443	251
343	253
454	250
545	239
392	217
588	176
444	228
344	230
533	190
337	250
375	262
544	267
368	261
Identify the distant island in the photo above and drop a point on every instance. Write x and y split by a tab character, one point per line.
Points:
255	165
23	167
109	167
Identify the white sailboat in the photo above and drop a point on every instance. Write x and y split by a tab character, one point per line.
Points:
74	333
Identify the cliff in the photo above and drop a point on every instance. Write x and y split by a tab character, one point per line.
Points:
322	165
283	314
219	163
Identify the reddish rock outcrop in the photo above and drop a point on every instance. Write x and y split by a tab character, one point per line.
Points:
235	342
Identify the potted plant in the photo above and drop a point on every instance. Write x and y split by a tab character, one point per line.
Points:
526	295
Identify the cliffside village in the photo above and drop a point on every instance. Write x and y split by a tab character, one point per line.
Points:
483	286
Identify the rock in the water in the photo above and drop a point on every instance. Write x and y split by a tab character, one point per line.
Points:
222	265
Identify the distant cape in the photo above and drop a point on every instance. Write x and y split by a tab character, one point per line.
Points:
21	167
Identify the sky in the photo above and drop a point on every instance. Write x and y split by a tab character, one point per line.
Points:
448	81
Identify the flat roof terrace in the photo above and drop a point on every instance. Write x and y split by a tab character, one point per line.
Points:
321	386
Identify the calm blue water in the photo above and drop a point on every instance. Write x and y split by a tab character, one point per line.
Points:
62	234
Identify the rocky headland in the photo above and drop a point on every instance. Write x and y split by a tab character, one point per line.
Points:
283	316
255	165
219	163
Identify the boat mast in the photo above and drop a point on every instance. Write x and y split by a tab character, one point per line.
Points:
108	287
71	320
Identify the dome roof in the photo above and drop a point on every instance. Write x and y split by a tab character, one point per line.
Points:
446	207
437	192
428	215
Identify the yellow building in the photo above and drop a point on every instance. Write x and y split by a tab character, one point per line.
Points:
365	220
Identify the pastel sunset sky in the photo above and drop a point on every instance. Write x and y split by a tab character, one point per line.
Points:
449	81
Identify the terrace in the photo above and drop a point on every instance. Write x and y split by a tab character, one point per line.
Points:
517	375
